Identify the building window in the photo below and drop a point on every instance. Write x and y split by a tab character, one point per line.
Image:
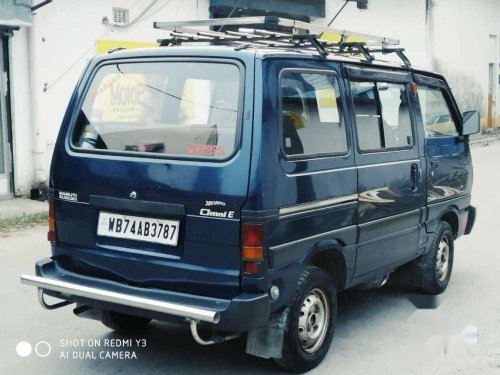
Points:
311	110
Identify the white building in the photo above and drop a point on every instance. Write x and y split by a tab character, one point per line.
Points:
43	54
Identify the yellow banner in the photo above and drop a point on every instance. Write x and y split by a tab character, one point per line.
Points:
120	97
330	37
103	45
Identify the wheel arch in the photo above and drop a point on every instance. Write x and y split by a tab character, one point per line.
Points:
329	255
448	213
451	217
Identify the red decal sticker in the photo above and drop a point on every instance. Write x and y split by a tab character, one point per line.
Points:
206	150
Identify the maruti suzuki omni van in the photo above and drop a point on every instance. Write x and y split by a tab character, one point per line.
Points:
240	187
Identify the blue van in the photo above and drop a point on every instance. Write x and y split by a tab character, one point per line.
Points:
240	183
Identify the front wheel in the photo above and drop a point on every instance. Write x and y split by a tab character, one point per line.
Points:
311	323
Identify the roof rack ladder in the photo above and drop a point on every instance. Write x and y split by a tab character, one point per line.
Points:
276	32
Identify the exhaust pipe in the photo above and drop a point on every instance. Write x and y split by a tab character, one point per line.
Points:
54	306
214	340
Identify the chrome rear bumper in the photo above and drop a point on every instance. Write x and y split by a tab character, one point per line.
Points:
72	289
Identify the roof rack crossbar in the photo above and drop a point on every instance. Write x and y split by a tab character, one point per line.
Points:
192	36
217	34
400	52
313	41
241	34
360	47
274	34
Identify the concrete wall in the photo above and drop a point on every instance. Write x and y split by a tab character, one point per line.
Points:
458	38
53	53
463	40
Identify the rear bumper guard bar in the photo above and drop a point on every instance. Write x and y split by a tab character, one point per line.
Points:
241	313
72	289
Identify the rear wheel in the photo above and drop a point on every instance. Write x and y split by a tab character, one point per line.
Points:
311	323
438	262
123	322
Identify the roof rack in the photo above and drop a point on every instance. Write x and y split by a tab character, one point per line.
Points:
277	32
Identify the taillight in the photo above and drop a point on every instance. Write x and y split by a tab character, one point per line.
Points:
51	234
253	248
251	268
252	242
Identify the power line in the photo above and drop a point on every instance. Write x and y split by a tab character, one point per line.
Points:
338	13
47	87
156	11
170	94
173	17
230	14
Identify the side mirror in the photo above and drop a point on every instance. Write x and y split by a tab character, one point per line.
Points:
471	123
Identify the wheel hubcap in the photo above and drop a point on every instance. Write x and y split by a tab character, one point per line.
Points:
443	259
313	320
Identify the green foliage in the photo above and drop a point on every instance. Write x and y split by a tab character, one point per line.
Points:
24	221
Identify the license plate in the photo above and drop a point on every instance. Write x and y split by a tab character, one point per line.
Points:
138	228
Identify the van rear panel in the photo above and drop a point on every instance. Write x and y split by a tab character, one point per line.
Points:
148	186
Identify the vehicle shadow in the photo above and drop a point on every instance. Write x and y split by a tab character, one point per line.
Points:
170	348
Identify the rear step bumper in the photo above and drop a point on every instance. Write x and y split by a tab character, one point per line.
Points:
130	300
242	313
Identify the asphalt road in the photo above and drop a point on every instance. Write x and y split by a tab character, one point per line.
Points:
379	332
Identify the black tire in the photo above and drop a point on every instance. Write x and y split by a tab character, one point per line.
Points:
120	322
295	356
434	281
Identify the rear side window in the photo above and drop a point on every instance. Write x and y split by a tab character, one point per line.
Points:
382	115
186	109
436	114
311	111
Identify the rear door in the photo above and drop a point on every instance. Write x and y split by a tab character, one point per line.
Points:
150	178
391	190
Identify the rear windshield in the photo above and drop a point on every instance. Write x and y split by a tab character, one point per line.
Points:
184	109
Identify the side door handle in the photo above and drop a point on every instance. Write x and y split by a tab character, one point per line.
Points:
416	174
